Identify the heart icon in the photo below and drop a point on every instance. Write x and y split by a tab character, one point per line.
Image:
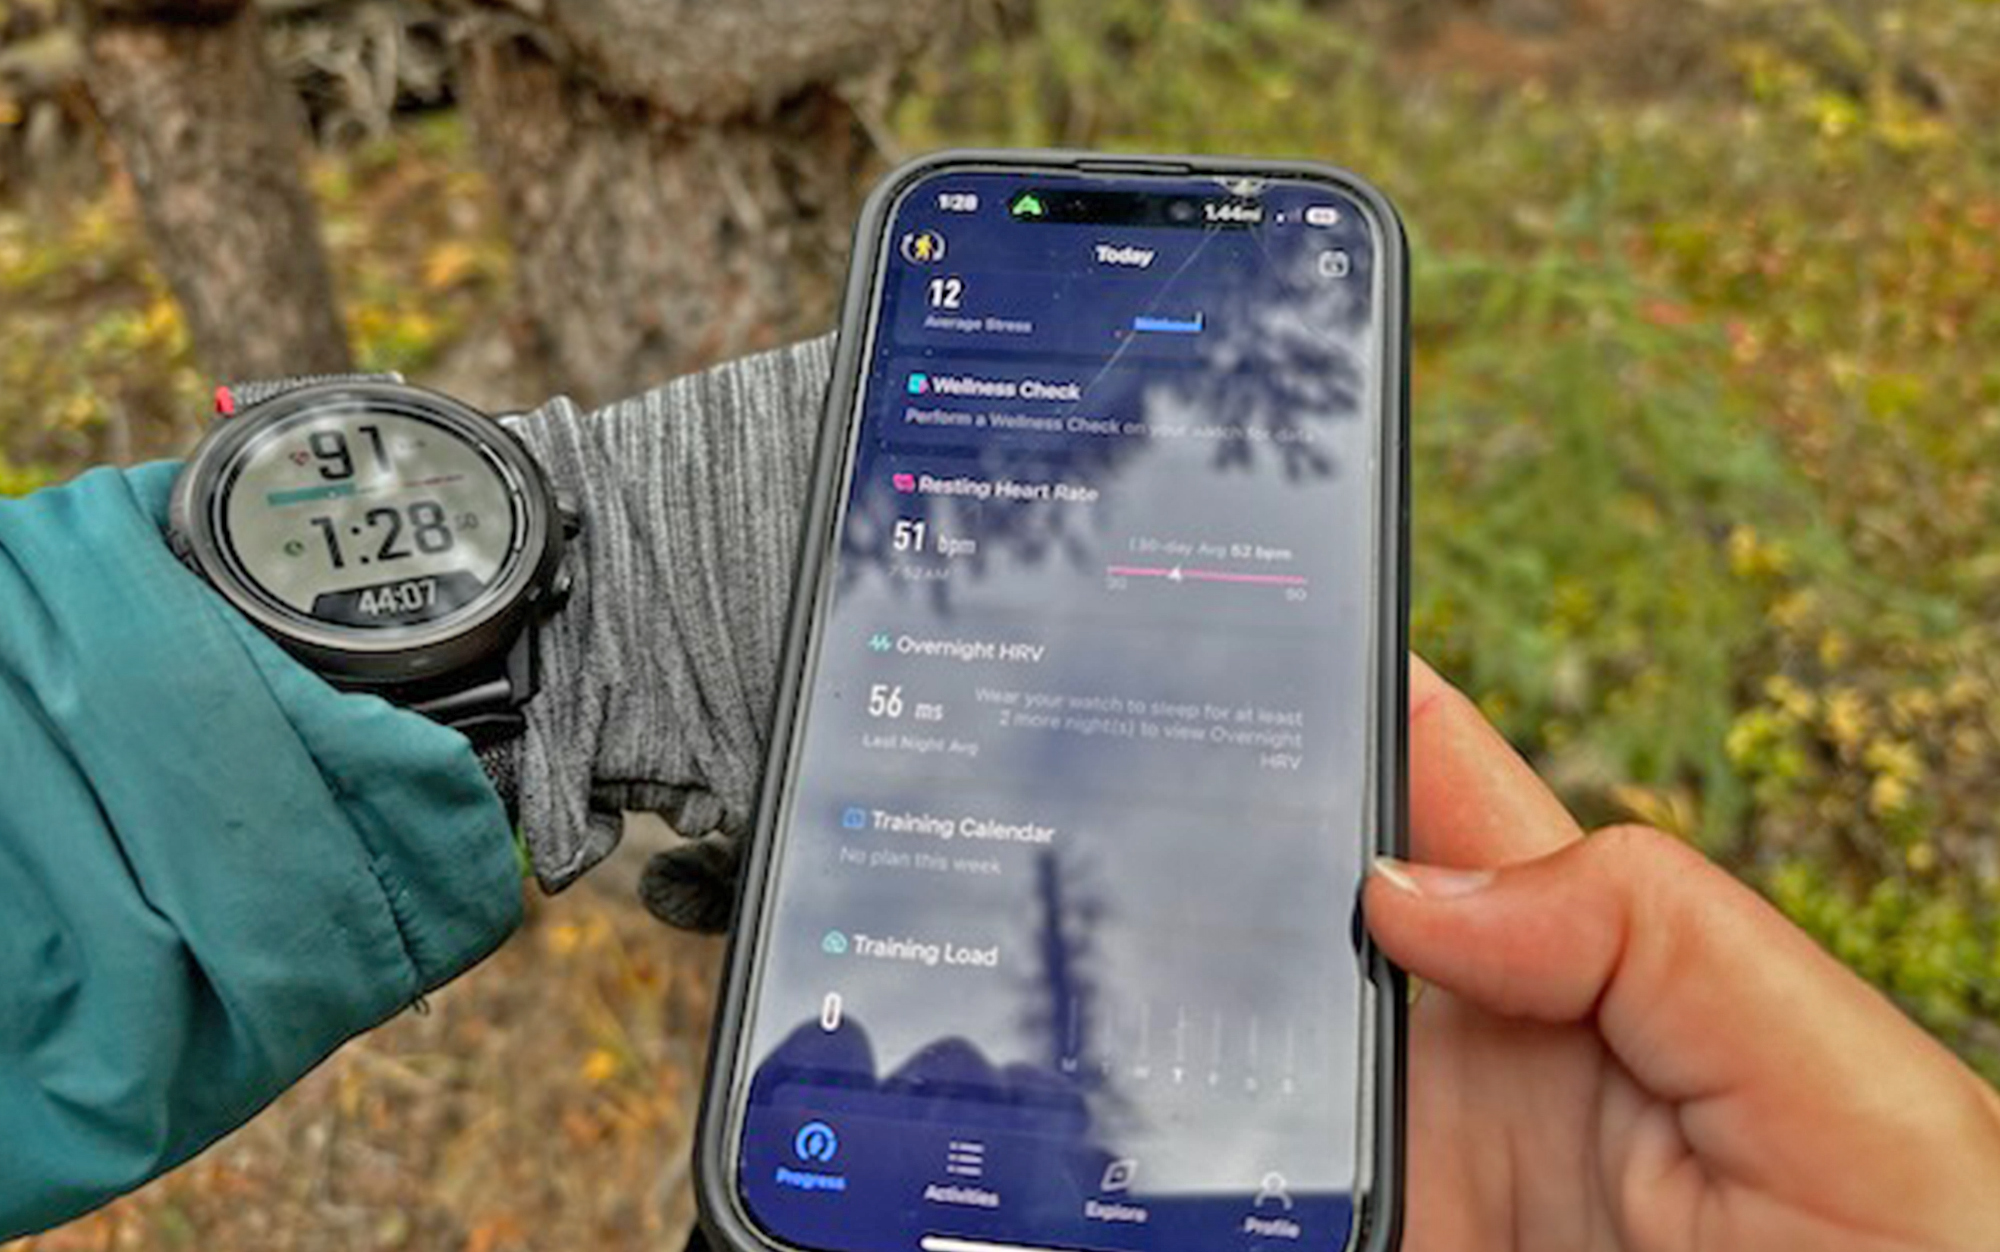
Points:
905	483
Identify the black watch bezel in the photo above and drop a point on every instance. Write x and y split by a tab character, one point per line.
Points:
410	656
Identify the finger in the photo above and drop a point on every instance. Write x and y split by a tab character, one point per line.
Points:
692	885
1779	1058
1473	800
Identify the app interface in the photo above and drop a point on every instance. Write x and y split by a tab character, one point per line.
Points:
1062	945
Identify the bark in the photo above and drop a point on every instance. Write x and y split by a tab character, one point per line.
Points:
707	60
644	248
679	180
211	140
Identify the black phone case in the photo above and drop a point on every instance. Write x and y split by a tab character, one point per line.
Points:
1379	1202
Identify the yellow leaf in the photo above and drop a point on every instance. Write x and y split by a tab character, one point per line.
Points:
1888	795
565	938
600	1067
448	264
1847	718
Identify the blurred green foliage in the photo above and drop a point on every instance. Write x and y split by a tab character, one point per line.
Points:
96	363
1707	402
1707	386
82	309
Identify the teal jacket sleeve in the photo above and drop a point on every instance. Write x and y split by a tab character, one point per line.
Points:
214	868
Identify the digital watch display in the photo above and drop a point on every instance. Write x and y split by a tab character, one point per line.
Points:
390	536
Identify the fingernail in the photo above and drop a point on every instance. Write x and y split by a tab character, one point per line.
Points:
1433	882
1396	874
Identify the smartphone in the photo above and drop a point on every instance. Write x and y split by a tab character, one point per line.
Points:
1092	718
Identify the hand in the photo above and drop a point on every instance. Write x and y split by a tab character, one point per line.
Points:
1623	1047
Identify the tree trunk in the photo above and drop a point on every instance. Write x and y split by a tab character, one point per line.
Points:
644	247
679	179
211	140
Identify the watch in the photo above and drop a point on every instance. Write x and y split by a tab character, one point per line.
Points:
392	538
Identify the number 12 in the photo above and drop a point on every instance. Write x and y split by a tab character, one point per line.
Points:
945	293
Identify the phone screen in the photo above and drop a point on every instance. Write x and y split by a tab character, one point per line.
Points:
1060	946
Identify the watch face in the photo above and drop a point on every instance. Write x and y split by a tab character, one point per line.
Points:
369	516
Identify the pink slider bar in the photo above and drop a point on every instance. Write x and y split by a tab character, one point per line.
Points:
1206	575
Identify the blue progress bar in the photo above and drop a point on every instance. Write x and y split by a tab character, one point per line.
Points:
299	495
1169	325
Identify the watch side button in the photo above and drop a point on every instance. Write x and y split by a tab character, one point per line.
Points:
182	548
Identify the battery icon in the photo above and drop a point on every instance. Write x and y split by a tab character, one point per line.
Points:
1322	215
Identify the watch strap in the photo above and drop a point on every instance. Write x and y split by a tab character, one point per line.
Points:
501	759
485	705
232	398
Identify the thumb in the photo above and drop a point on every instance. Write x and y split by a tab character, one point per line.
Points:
1677	961
1700	989
1627	915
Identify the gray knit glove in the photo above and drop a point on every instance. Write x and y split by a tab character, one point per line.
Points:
659	674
